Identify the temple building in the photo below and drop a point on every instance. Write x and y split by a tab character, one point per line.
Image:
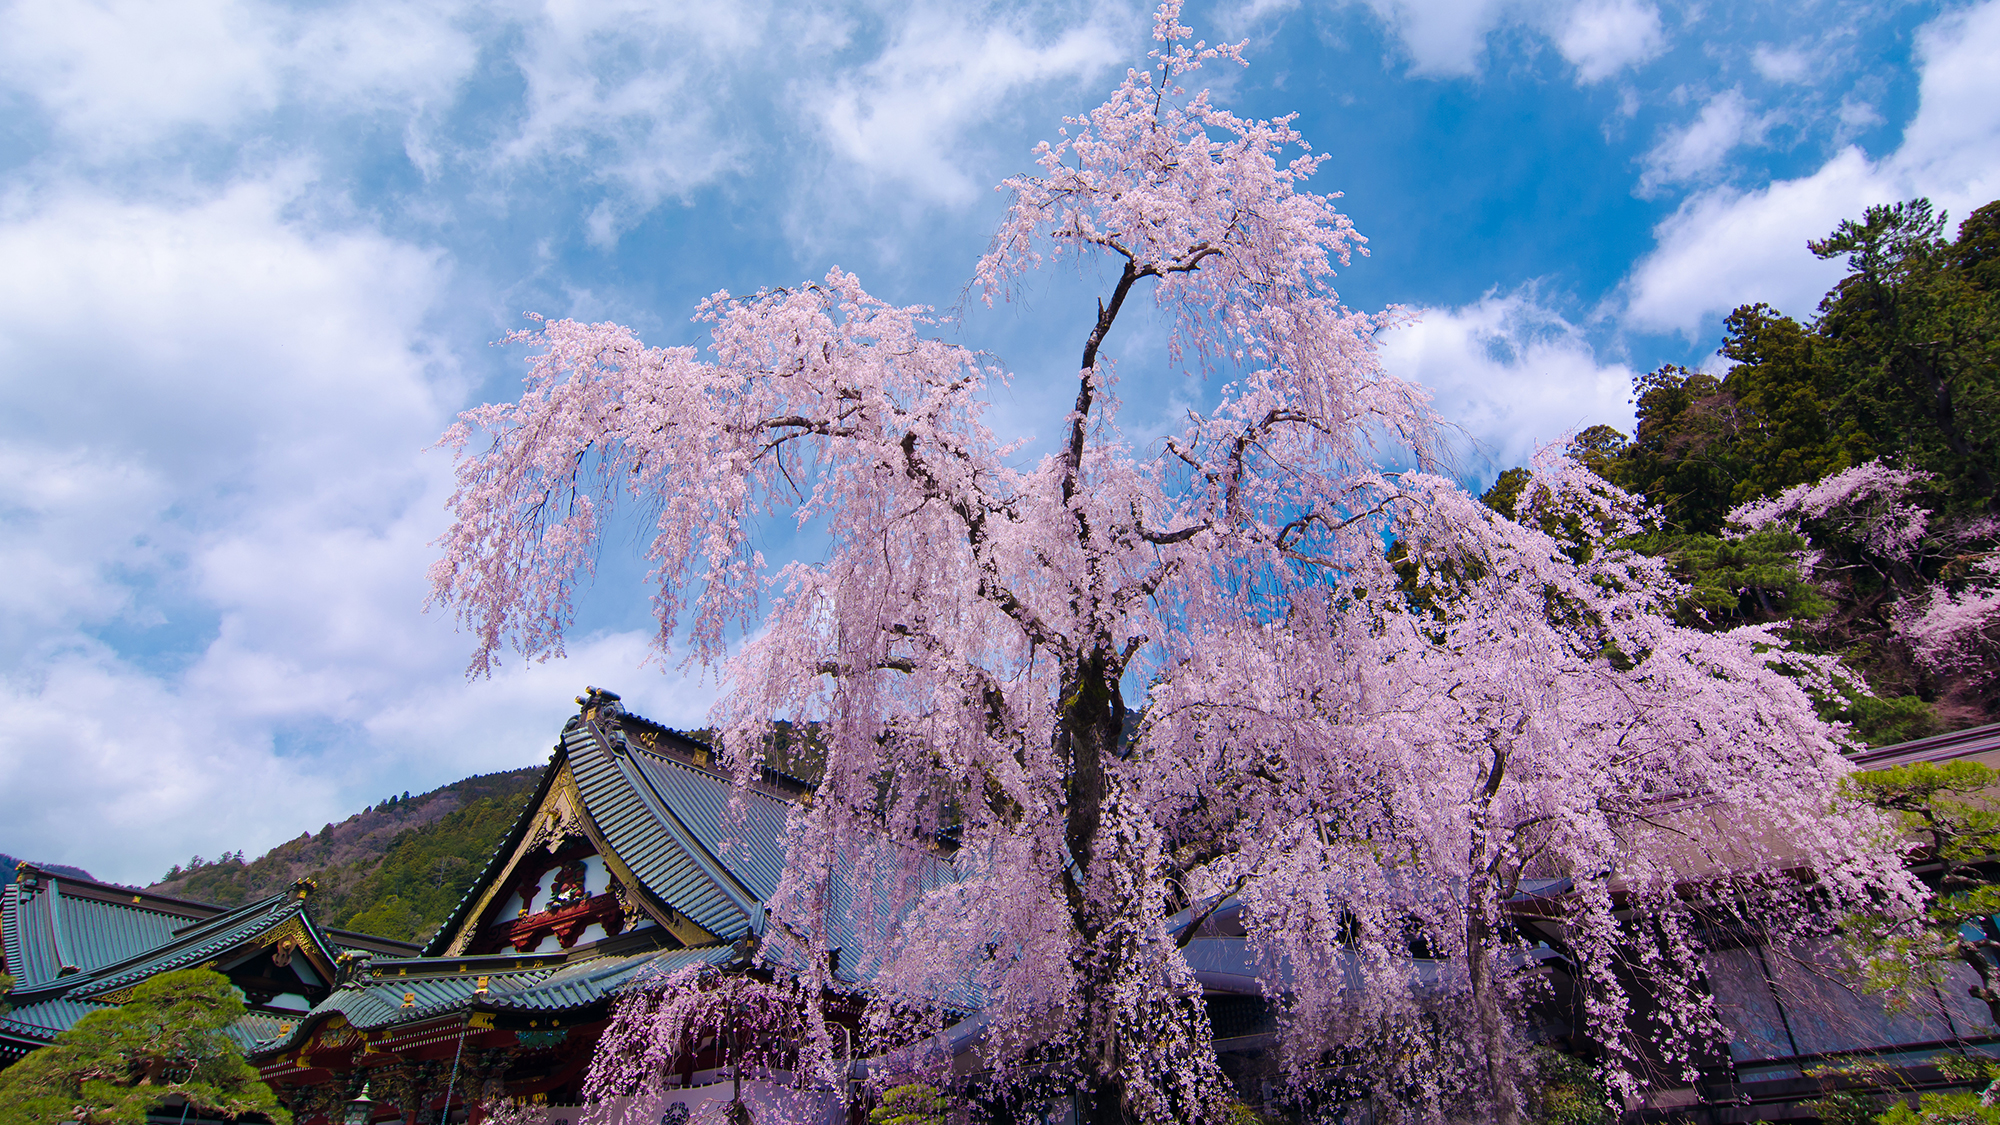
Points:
73	945
616	870
637	856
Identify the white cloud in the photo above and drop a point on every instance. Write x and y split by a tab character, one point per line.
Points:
1239	16
1724	247
1443	37
178	378
655	103
1693	152
1951	149
211	423
1856	115
1790	64
905	115
198	331
121	72
1603	37
634	94
87	501
1512	373
1447	38
113	74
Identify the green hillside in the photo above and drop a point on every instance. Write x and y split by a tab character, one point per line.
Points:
395	869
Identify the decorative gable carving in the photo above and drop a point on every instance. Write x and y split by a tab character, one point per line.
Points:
559	822
554	889
546	871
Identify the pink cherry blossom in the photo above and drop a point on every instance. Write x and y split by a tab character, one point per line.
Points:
1954	630
1870	503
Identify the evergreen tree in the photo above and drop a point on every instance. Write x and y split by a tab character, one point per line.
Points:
1912	330
166	1046
915	1104
1780	388
1681	456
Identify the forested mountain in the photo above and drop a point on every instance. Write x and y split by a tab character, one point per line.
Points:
1840	475
8	863
394	869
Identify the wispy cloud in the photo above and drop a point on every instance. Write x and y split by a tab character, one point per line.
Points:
1697	150
1789	64
637	97
1603	37
117	74
904	116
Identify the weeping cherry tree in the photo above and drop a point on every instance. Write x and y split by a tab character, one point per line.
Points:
1133	681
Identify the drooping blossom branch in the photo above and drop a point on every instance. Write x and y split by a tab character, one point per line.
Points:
1870	504
1957	630
751	1028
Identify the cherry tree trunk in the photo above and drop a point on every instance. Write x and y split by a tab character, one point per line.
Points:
1494	1041
1093	716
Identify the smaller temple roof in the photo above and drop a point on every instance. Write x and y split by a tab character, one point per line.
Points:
437	986
53	927
195	944
44	1020
80	946
255	1027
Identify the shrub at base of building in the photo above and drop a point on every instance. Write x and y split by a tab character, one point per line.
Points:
915	1104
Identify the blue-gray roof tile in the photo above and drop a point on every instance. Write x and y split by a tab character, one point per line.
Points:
46	1019
445	988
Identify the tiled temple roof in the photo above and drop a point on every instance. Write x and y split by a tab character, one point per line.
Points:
79	946
50	924
44	1020
198	943
648	807
255	1027
668	820
441	986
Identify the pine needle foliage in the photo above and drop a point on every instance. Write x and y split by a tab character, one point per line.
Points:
1951	810
165	1047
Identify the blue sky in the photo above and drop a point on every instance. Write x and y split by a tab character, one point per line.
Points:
255	255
